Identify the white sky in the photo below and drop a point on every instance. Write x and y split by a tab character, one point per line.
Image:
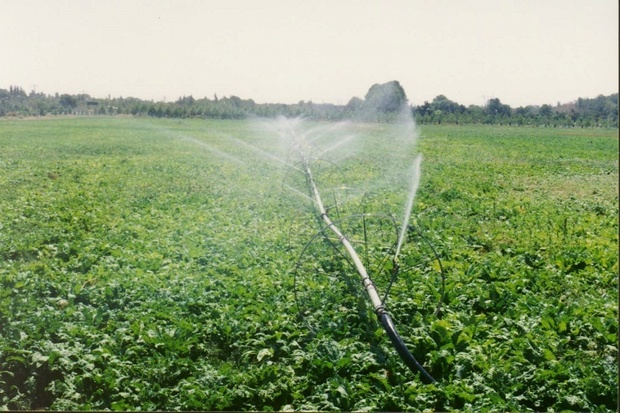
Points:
522	51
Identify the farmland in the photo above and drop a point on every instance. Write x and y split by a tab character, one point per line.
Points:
147	264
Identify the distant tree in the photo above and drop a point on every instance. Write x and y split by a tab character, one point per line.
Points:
389	97
521	111
446	105
495	108
68	101
16	91
424	110
437	116
185	100
355	104
545	111
475	114
235	101
445	110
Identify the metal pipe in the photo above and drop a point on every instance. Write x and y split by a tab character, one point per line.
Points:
379	309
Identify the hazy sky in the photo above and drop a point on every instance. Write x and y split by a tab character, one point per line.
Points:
522	51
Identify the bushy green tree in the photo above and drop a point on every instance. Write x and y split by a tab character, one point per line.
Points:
495	108
68	101
388	97
355	104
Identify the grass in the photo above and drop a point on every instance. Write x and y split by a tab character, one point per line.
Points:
146	264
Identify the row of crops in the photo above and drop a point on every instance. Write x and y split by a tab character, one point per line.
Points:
148	265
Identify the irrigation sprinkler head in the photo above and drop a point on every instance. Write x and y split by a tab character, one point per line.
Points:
347	242
395	267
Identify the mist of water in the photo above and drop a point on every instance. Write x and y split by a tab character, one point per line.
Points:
340	142
264	153
220	154
416	169
186	138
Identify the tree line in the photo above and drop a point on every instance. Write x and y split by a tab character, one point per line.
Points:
601	111
382	103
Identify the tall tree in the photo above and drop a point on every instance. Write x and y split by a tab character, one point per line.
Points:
68	101
496	108
389	97
446	105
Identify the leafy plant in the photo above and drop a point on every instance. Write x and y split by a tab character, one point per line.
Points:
142	269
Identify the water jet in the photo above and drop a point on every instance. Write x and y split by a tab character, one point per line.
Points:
331	231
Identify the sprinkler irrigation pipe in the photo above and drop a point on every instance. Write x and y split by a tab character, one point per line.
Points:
379	308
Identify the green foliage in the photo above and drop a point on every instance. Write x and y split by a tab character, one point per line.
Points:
141	269
384	98
601	111
68	101
382	103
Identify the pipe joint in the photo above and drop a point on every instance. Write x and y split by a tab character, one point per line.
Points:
380	310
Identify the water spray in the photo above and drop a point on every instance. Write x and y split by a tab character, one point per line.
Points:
378	307
415	182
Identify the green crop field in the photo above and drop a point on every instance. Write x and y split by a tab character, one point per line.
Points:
150	264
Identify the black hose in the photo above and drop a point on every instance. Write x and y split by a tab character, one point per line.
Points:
373	295
401	348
